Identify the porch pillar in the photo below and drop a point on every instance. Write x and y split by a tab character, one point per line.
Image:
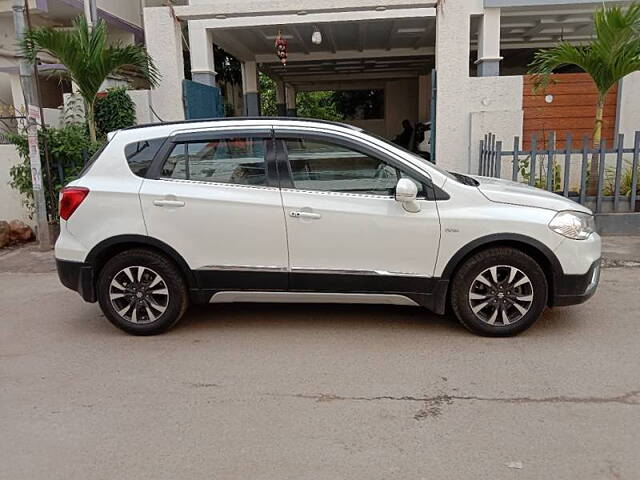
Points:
489	44
452	127
202	61
250	88
291	101
281	104
164	44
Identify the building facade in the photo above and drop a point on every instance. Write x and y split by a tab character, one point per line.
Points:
459	63
468	58
124	22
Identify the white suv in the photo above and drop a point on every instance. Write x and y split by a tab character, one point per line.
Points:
294	210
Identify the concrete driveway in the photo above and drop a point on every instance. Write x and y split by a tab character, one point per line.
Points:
315	392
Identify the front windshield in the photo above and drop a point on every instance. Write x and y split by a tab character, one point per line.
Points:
449	175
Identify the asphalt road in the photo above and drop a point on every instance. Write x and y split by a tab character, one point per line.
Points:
315	392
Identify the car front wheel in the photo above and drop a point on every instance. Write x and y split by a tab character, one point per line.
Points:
142	292
499	292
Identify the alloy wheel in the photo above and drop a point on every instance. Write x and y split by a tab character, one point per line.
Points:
501	295
138	294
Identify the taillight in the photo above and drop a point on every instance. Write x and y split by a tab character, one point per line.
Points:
70	199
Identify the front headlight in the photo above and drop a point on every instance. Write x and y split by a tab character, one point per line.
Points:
574	225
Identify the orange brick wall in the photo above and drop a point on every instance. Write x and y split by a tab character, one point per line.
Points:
573	110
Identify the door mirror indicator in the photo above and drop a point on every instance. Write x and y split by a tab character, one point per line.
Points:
407	193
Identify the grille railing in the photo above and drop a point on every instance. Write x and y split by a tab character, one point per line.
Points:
566	171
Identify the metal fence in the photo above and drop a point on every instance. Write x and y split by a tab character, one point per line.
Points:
567	171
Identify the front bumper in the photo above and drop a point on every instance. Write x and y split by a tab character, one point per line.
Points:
77	276
576	289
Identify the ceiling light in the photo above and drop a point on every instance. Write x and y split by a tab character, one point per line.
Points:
410	30
316	36
273	37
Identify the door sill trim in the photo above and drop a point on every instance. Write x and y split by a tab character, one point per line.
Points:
311	297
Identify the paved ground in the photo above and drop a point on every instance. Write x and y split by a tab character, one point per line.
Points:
317	392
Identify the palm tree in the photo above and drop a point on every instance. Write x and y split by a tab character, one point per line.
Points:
88	58
613	53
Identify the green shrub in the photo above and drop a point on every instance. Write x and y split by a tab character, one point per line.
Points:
320	105
68	146
541	176
114	111
626	177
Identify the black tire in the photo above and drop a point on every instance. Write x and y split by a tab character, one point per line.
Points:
151	320
501	295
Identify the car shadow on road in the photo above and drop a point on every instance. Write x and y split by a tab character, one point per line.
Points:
236	317
315	316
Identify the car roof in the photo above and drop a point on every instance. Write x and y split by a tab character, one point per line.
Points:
200	122
120	138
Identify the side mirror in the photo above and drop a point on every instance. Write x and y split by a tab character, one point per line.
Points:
407	193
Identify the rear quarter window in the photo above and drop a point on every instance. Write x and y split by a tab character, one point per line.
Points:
140	154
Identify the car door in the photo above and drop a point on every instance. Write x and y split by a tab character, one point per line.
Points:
346	231
213	199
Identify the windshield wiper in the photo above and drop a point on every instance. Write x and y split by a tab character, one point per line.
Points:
465	180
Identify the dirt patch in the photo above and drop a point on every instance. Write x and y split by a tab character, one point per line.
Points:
26	259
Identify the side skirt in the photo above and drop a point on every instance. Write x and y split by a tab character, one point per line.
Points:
230	285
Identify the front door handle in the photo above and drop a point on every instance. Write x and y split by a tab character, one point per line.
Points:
169	203
309	215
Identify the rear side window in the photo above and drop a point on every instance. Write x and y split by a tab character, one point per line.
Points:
140	154
237	161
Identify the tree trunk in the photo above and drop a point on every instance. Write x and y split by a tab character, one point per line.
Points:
91	121
592	186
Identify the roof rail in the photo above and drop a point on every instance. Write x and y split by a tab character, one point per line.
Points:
219	119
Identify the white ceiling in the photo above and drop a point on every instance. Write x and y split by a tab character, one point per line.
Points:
388	47
370	35
539	28
403	46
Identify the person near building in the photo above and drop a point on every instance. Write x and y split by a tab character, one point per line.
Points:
404	138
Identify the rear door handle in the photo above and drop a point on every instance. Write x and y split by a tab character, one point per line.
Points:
169	203
309	215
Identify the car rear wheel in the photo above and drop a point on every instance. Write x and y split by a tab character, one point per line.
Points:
499	292
142	292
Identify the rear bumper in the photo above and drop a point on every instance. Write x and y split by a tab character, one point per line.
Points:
576	289
78	277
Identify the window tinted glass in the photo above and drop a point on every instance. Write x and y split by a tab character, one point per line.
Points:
430	163
176	164
324	166
140	154
227	160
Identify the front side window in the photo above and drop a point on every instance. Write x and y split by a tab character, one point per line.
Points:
237	160
322	166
